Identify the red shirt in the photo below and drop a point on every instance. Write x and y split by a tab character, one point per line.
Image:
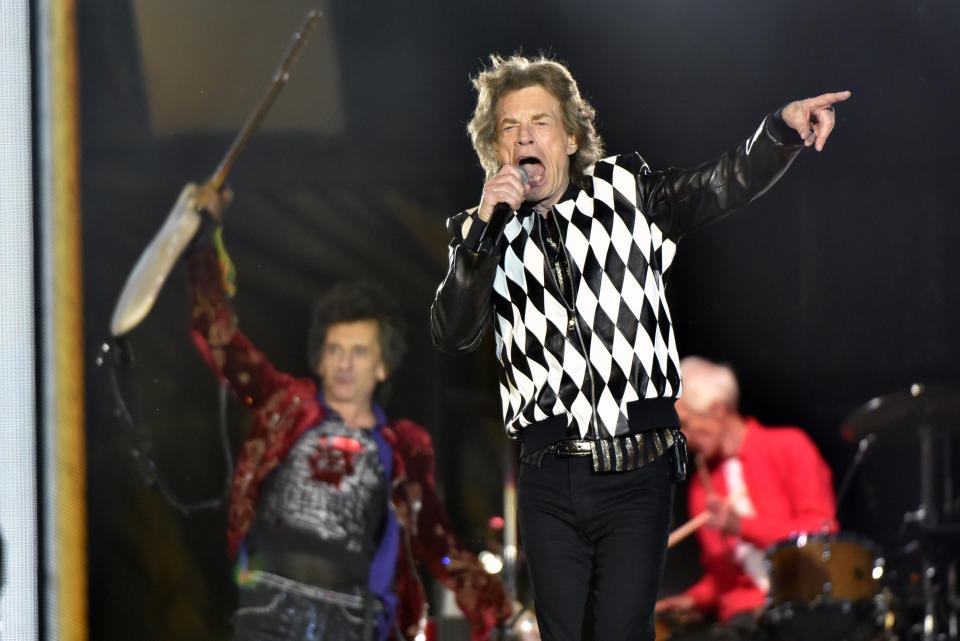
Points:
791	490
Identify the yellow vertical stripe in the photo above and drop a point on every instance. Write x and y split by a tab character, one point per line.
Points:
69	519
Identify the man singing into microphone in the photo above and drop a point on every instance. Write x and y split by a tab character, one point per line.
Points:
566	260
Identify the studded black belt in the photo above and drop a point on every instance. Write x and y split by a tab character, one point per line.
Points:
616	454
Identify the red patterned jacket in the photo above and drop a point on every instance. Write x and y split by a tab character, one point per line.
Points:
285	407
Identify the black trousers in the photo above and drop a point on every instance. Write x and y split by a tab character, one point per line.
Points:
595	546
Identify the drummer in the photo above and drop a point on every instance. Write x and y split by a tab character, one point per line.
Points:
759	485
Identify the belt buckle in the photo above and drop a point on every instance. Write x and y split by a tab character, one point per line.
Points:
573	447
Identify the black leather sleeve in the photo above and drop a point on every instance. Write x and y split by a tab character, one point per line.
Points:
461	309
683	200
680	200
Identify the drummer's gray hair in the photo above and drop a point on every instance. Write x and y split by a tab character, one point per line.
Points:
706	382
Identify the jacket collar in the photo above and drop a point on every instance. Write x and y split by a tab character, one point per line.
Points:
569	196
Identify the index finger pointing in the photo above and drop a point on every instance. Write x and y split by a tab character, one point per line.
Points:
827	99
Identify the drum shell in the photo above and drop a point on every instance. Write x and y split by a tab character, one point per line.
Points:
810	568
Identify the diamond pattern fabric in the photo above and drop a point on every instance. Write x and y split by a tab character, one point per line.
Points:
613	344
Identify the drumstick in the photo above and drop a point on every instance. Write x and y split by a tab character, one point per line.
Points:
698	521
704	473
688	528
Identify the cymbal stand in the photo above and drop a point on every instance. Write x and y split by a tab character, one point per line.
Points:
926	516
953	603
862	448
939	583
951	504
950	513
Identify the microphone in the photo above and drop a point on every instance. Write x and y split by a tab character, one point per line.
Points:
498	219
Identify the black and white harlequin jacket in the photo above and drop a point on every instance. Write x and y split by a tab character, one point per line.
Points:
577	298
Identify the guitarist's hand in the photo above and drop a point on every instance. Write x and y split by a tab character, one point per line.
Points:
214	202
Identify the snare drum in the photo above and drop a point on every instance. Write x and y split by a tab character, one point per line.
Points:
824	587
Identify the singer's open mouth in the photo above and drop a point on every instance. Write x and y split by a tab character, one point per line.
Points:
534	168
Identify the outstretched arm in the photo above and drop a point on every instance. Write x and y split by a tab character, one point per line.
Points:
685	200
213	325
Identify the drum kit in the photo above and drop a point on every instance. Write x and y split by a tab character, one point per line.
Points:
901	584
846	587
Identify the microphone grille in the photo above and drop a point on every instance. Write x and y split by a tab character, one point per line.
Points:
524	177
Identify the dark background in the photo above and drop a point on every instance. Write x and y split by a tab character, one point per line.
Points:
837	286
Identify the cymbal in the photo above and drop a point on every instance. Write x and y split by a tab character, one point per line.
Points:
919	406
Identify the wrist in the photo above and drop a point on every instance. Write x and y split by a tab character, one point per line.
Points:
484	213
782	131
472	240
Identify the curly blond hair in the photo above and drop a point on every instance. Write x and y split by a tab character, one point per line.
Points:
518	72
